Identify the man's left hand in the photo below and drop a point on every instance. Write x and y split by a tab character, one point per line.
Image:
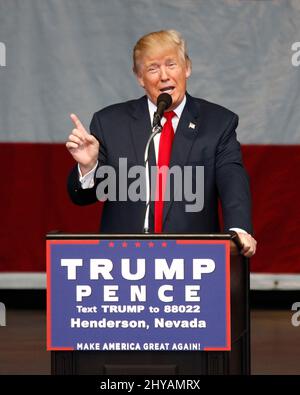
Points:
249	244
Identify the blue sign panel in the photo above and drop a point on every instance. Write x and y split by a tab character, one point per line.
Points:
141	295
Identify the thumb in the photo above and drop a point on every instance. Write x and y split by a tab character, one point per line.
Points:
91	138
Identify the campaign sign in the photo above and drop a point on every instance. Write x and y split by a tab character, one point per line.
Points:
138	294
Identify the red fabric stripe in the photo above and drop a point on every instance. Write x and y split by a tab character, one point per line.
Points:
34	201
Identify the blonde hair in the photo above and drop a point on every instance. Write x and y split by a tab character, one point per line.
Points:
163	38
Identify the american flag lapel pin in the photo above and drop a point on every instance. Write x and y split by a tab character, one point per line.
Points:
192	125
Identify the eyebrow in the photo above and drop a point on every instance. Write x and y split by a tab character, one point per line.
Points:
156	63
152	64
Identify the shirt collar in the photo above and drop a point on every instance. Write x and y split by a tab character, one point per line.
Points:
178	110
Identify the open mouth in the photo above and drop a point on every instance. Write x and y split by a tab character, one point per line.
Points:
168	89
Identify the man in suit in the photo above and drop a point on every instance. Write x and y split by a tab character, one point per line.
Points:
203	134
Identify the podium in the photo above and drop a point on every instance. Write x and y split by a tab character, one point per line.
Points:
235	361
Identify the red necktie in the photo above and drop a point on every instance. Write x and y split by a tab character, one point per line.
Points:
164	155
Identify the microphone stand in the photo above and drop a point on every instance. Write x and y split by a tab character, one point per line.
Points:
155	130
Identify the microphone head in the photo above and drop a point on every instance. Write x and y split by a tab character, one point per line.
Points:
164	101
165	98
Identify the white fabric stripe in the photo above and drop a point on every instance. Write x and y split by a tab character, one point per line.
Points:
258	281
28	280
274	282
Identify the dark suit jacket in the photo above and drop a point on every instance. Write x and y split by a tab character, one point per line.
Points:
123	130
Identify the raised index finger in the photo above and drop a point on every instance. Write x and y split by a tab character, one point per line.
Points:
77	122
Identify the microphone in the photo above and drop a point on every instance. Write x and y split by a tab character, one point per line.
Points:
164	101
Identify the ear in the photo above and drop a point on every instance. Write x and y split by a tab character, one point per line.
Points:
140	80
139	77
188	70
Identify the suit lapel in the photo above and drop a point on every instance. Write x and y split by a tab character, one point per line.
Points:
185	136
140	130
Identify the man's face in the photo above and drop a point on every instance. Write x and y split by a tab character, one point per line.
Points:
164	71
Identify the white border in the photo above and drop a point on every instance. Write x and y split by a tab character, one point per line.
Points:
258	281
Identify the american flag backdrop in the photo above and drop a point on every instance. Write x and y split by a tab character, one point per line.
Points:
58	57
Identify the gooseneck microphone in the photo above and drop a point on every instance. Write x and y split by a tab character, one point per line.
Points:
164	101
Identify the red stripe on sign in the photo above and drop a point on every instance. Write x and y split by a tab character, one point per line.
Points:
34	201
49	304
